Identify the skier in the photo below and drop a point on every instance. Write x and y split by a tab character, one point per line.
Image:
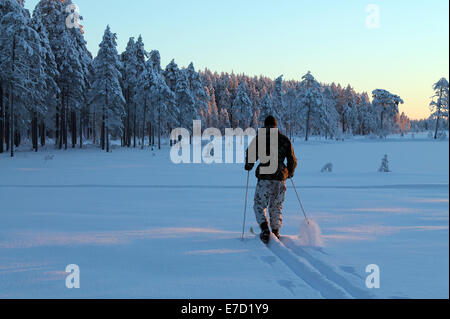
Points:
271	189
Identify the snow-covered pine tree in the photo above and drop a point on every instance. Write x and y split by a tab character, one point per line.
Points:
198	91
164	99
185	101
79	100
21	68
141	57
241	115
278	102
384	168
73	60
368	120
129	82
155	60
329	123
348	109
292	111
154	95
133	65
106	93
224	120
213	113
266	108
48	89
386	105
311	102
171	75
439	105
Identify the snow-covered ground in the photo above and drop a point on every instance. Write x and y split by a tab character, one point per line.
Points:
139	226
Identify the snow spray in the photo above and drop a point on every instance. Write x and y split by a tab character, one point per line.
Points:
310	234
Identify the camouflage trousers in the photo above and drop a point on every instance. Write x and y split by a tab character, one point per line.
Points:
270	195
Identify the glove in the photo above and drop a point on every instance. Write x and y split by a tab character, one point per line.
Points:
249	167
290	176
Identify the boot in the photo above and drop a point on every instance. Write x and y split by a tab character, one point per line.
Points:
265	233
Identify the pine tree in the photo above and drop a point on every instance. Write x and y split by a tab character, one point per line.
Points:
278	102
292	118
386	104
439	105
48	89
106	92
22	69
224	120
311	100
73	60
384	168
329	122
185	101
213	113
241	115
171	75
266	108
198	91
155	96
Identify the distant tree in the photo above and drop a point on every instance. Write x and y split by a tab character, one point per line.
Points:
199	93
386	104
439	105
266	108
311	101
185	101
384	168
241	115
330	118
213	112
279	105
155	96
224	120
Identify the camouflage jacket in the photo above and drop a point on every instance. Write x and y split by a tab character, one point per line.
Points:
285	153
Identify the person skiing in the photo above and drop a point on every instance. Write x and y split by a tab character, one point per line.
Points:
271	189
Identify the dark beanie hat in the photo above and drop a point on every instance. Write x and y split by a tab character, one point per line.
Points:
270	122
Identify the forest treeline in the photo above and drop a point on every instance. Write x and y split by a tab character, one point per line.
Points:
53	89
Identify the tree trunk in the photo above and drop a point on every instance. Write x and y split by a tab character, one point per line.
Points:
81	129
308	119
61	116
102	138
34	132
17	137
11	119
143	124
7	139
134	126
74	128
65	123
94	128
43	133
159	127
57	132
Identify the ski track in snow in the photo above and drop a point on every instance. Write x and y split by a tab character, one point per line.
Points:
318	274
331	272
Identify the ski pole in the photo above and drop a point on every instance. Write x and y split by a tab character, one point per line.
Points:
245	208
300	201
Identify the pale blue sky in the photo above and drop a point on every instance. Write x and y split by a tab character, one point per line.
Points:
406	55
